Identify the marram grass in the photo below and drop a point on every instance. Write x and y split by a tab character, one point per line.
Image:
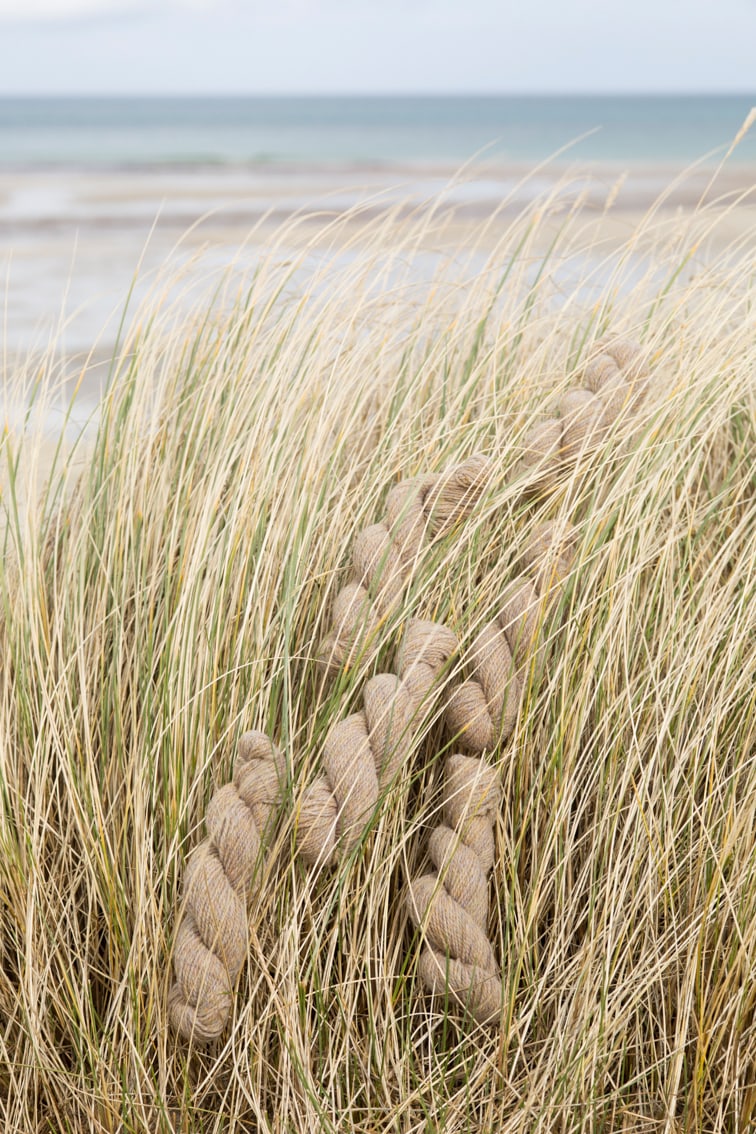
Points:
166	585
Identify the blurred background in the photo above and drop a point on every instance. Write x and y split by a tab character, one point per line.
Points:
135	135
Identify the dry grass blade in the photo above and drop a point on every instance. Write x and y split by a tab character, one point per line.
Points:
169	588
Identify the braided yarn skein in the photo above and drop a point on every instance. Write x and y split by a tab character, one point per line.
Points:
482	710
614	378
361	755
450	905
383	555
211	939
363	752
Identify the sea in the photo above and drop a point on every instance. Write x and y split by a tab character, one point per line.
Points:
98	192
255	131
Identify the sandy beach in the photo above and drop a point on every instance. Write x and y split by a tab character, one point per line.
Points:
82	252
73	241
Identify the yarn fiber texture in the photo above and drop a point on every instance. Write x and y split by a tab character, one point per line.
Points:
362	754
383	555
613	381
450	905
211	939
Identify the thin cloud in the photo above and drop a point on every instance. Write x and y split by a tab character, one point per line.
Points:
65	11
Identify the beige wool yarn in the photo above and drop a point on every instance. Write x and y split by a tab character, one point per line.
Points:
362	754
614	379
383	555
450	905
211	939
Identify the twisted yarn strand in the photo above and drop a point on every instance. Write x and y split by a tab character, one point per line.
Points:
362	753
614	380
383	554
211	939
450	905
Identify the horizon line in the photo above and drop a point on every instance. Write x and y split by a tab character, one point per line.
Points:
434	94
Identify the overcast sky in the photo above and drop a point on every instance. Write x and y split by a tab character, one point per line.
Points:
280	46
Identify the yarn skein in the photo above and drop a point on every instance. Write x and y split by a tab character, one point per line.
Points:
211	939
450	904
383	555
362	753
482	709
614	379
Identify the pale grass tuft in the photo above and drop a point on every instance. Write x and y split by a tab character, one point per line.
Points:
173	595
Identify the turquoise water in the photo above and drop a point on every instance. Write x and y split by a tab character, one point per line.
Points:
150	132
